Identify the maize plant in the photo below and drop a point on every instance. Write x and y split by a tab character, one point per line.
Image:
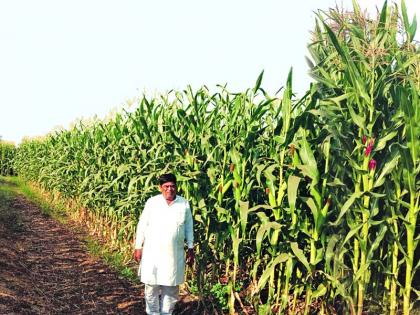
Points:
368	72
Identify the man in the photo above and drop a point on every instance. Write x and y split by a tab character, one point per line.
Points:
164	225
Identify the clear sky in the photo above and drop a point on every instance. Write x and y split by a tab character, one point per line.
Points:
65	60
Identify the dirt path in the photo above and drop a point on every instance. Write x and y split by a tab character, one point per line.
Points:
45	269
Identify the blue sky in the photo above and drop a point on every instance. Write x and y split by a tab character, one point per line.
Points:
65	60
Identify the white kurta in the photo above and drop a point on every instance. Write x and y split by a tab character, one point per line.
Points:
161	232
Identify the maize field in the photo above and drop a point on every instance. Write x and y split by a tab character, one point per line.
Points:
301	205
7	154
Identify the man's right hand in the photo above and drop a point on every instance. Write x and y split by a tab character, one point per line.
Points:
137	254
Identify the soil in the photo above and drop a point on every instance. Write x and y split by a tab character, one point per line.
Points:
46	269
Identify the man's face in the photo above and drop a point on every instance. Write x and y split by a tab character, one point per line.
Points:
168	190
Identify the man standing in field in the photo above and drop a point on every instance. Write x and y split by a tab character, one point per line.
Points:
164	225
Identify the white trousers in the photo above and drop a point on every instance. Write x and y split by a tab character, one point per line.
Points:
163	305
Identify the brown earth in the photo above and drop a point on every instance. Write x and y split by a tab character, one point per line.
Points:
46	269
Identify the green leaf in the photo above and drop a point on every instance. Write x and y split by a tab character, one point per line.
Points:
351	233
382	142
244	210
292	187
264	227
132	183
235	245
339	98
360	121
374	245
258	82
283	257
410	29
268	172
320	291
383	16
388	167
311	204
336	182
300	255
309	166
330	252
413	28
346	207
286	109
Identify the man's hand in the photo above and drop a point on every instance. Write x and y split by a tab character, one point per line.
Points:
190	256
137	254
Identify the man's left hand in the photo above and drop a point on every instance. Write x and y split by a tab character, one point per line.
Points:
190	257
137	254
